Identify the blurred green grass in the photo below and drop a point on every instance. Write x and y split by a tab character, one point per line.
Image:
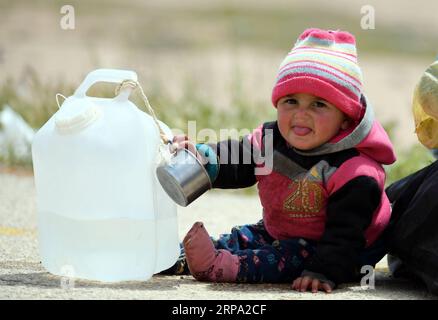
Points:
36	104
35	101
409	161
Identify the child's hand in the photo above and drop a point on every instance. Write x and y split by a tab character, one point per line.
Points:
304	283
182	142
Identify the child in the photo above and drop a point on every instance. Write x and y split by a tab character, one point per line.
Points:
323	198
411	235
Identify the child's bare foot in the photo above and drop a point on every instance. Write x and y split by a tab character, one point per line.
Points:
205	262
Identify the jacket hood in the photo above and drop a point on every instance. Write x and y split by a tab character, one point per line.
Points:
367	136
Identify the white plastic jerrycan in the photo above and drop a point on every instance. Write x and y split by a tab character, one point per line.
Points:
102	214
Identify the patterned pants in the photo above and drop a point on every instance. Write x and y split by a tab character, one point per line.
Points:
262	258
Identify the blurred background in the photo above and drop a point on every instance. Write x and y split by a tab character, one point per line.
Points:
213	61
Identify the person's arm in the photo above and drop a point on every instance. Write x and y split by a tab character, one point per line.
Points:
349	213
235	164
229	163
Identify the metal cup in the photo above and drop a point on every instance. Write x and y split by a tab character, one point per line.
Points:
184	179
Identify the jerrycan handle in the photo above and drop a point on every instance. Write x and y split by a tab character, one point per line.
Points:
104	75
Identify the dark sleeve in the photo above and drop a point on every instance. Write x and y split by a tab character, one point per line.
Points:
236	164
349	213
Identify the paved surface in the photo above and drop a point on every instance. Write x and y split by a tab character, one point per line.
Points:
23	277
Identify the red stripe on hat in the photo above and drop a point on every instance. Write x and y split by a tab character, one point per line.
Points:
318	88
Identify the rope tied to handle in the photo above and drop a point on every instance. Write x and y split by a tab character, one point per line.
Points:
133	85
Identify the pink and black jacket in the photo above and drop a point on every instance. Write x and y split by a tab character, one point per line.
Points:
333	194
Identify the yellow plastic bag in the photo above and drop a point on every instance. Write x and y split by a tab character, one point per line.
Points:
425	107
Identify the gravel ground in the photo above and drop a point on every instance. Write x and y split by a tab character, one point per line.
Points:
23	277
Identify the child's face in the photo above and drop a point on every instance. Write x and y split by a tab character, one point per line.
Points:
307	121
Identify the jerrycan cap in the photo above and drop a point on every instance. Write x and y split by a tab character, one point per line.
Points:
76	114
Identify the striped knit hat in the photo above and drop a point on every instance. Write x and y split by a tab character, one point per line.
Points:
323	63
